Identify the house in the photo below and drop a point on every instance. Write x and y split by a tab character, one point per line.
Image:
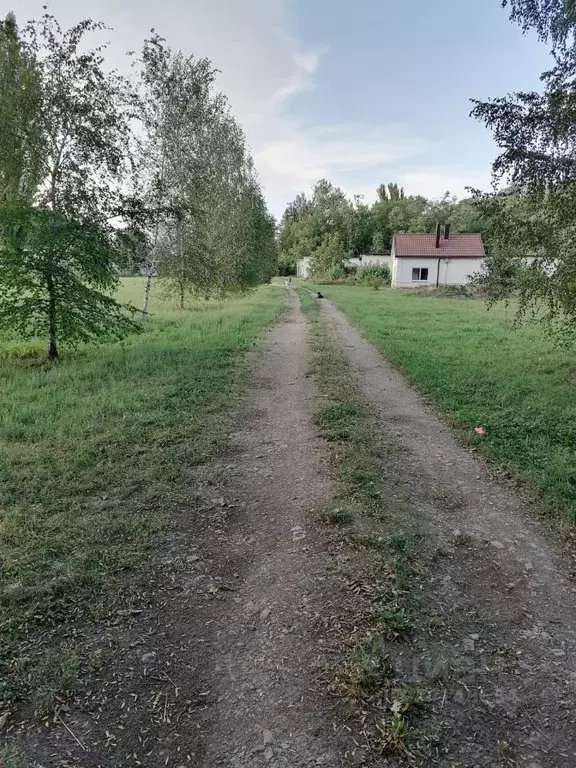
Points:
423	260
433	260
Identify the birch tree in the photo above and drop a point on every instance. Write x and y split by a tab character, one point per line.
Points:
174	93
57	242
203	191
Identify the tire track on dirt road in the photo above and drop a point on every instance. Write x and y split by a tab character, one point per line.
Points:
501	588
270	709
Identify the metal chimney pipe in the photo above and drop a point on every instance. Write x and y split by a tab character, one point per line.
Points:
438	232
446	231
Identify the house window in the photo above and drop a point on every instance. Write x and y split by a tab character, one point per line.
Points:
419	273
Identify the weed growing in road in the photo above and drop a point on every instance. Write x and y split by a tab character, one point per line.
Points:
337	516
337	420
397	736
10	757
439	671
396	622
367	668
50	677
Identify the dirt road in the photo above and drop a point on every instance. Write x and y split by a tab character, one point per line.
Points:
222	666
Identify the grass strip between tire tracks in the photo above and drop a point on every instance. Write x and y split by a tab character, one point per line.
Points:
373	517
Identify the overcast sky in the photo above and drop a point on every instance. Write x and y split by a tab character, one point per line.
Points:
359	91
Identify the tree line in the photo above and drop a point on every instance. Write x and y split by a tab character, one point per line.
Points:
329	227
102	172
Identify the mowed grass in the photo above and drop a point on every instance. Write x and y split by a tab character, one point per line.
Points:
483	372
95	453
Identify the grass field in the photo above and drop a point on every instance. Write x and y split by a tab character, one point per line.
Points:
95	451
482	371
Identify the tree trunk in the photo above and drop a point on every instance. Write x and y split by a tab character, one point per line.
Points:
152	268
182	285
52	347
147	291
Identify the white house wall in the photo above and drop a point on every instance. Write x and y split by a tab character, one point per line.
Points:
303	267
452	272
368	260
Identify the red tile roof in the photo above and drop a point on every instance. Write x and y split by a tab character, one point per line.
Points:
458	246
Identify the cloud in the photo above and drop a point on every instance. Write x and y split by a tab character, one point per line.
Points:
264	68
300	81
433	184
301	156
312	154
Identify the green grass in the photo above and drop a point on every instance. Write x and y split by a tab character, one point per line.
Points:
473	363
337	516
10	757
95	453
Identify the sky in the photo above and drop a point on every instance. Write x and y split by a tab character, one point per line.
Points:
361	92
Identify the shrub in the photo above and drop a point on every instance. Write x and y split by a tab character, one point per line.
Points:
370	273
444	292
336	273
335	276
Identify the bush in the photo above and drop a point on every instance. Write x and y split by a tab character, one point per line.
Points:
444	292
375	277
370	274
334	276
286	267
336	273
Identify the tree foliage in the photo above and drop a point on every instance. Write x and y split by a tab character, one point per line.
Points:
100	172
22	141
534	216
56	272
329	255
209	229
62	179
553	20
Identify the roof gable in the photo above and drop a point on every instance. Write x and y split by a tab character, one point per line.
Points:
460	245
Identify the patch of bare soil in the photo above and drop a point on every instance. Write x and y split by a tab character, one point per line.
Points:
499	638
219	664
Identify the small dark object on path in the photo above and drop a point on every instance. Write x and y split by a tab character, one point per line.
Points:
319	295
